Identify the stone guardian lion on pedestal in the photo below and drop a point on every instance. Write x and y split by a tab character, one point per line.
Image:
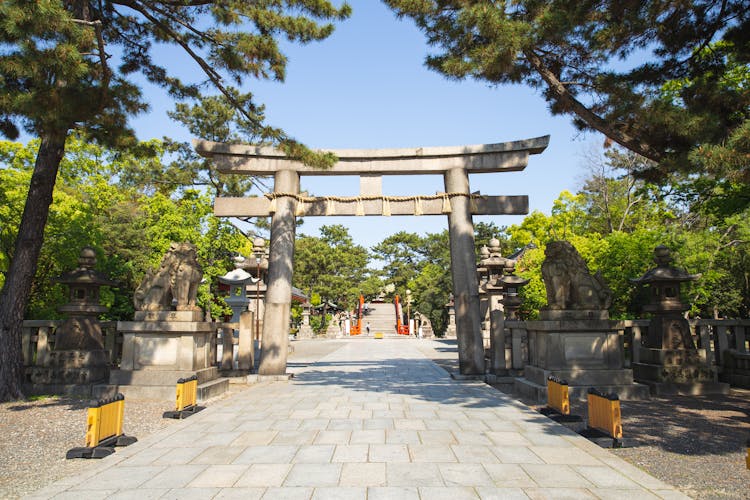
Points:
569	284
177	278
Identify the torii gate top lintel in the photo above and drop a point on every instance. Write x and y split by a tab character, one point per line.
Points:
263	160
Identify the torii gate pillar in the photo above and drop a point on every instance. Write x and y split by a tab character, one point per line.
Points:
280	269
464	272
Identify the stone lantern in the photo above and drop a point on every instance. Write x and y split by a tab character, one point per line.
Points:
82	330
669	361
238	280
450	329
494	264
79	357
665	305
305	330
258	266
512	285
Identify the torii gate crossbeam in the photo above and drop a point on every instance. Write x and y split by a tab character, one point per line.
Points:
285	203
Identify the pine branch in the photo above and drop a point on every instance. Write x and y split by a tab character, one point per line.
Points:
593	120
106	71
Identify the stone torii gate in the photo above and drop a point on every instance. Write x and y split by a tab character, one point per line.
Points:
457	202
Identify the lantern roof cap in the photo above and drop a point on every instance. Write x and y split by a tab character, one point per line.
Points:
85	274
664	270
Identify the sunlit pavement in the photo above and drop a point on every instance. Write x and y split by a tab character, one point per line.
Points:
363	419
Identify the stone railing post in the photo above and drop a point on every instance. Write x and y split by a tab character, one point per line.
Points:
246	358
42	346
26	347
227	351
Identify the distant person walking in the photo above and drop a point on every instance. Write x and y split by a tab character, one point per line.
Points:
367	328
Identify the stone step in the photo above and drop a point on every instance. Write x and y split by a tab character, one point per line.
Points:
213	388
160	377
382	318
206	390
538	393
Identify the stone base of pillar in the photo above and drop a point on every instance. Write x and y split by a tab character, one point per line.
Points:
305	332
533	384
450	332
69	372
677	371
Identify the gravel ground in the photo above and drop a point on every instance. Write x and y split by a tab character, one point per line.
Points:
35	435
694	443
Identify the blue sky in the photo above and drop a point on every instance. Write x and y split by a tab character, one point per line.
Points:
367	87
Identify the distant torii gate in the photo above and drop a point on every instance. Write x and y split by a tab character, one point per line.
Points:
454	163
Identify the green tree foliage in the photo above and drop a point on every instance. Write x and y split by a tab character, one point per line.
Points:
130	227
615	222
659	78
215	118
68	65
332	266
403	254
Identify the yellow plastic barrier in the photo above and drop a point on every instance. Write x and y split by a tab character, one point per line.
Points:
186	399
104	421
103	429
378	335
604	413
187	393
557	395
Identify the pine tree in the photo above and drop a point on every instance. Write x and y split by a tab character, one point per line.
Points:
67	64
659	78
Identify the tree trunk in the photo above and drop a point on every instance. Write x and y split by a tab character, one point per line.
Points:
17	287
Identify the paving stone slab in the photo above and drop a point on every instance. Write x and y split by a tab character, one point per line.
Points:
374	420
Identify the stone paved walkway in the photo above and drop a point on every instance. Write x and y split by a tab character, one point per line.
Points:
373	419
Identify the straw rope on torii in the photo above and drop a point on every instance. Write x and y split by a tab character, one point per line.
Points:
304	201
286	203
369	204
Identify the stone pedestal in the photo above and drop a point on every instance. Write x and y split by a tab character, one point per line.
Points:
333	331
305	330
70	372
450	329
161	347
680	370
584	352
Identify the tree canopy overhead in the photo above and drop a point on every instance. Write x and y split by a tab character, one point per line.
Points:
70	65
661	78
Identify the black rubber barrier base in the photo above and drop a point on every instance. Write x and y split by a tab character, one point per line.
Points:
187	412
103	449
605	440
559	417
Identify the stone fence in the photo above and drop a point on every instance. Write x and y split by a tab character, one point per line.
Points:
38	340
727	344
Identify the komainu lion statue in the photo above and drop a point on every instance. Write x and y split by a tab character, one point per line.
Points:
177	278
569	284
